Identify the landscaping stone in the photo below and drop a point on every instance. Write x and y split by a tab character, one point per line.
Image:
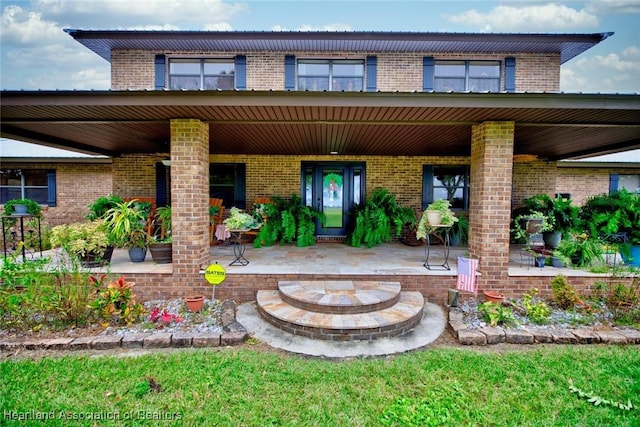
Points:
33	344
181	340
206	339
235	327
585	336
467	337
518	336
457	326
81	343
455	313
157	341
610	337
228	314
632	335
540	336
561	336
134	340
494	335
10	345
233	338
106	342
57	343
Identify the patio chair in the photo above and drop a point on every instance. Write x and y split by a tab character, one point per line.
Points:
152	214
215	220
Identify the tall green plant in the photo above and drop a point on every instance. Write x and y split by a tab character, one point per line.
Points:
378	219
126	222
618	212
98	208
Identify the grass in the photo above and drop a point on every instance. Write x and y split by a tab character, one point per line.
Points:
252	387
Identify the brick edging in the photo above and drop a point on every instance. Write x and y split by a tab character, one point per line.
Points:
496	335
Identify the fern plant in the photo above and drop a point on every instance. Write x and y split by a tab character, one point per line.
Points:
376	221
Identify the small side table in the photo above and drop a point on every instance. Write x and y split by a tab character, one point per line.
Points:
238	242
20	218
447	247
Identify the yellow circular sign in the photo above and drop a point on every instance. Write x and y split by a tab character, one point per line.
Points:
215	274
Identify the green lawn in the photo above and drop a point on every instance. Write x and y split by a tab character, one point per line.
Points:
252	387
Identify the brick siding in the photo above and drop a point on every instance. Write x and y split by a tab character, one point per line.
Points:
401	72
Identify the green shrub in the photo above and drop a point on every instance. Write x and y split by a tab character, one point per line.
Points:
536	309
564	294
496	314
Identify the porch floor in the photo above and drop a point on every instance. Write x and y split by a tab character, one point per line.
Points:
337	258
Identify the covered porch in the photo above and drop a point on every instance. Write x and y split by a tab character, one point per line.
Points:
336	261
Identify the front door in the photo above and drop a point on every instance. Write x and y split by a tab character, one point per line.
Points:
333	188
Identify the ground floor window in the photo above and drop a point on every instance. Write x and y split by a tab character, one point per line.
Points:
227	181
34	184
450	182
631	183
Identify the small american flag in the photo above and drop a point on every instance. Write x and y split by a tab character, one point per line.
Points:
467	269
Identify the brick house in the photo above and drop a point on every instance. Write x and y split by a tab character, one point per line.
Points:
242	115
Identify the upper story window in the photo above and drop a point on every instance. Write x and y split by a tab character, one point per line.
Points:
27	184
462	76
194	74
331	75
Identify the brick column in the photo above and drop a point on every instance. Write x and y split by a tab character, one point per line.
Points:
490	200
189	203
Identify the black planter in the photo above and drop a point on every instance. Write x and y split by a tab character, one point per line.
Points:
540	261
137	254
92	260
161	253
552	238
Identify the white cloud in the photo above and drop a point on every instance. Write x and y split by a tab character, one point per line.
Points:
138	14
305	27
24	28
613	7
613	72
531	17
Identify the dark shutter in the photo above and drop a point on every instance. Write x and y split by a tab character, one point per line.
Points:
427	185
51	188
510	74
613	182
159	72
289	72
428	72
372	76
241	72
161	185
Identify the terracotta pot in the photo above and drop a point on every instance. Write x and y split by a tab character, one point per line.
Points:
493	297
195	303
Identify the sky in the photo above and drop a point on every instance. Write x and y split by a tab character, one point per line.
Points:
35	52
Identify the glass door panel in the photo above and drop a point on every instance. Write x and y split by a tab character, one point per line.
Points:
332	197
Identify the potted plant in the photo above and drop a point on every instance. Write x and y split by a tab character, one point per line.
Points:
98	208
581	249
87	241
22	207
444	218
127	225
195	303
375	221
160	244
460	230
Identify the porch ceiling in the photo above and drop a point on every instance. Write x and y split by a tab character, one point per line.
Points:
552	126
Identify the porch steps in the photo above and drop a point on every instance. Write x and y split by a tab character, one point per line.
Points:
341	310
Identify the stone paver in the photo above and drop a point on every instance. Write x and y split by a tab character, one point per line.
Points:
540	336
233	338
518	336
81	343
611	337
162	340
205	340
632	335
106	342
560	336
585	336
494	335
181	340
456	326
134	340
57	343
467	337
